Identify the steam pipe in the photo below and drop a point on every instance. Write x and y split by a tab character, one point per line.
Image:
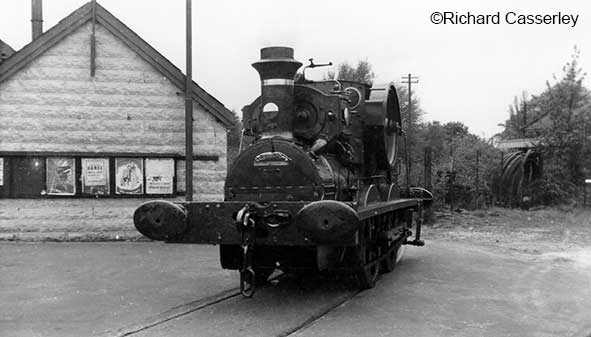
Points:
37	18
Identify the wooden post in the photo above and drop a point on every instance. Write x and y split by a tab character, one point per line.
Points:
477	182
409	145
427	171
585	194
409	133
189	110
450	191
586	185
93	41
428	185
500	189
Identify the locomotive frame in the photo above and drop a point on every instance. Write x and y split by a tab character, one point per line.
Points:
315	191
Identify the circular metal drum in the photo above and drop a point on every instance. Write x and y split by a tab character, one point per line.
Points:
384	109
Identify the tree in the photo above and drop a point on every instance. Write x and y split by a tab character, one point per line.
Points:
463	164
455	130
414	140
560	117
362	73
564	142
522	116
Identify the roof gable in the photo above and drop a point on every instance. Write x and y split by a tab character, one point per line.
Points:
5	51
83	14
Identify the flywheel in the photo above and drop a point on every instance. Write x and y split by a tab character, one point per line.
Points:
383	109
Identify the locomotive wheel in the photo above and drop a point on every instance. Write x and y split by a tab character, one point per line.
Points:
367	265
368	270
392	257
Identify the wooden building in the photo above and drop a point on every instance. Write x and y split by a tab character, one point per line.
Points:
92	124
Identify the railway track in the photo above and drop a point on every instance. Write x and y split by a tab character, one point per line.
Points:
319	315
222	298
176	312
373	258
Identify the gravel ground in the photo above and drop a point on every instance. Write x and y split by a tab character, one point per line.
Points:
493	272
539	233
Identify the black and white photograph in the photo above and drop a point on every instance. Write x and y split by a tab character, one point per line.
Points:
304	168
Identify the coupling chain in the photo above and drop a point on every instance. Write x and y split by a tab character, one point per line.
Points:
247	273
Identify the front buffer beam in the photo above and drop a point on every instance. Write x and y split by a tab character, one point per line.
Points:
276	223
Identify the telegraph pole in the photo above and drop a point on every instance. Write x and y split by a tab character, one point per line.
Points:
409	80
189	110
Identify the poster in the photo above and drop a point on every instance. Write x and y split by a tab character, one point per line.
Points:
1	171
95	176
60	176
129	175
159	176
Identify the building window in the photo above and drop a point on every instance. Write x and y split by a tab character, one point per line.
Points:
95	176
61	174
27	177
75	176
129	176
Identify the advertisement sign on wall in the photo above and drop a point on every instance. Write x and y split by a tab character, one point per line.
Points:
159	176
60	176
95	176
129	175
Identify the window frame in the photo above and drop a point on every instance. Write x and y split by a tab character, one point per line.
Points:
8	191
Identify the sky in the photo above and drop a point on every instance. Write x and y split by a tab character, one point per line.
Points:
467	72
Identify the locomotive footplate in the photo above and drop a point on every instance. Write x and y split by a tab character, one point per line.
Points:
300	223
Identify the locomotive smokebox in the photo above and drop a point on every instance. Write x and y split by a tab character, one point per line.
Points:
277	69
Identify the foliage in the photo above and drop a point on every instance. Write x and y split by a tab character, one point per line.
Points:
548	190
564	144
413	129
416	112
517	126
560	118
463	164
362	73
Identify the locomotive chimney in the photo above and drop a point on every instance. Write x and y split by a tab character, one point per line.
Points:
37	18
277	69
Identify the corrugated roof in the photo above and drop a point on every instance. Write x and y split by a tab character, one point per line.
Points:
82	15
522	143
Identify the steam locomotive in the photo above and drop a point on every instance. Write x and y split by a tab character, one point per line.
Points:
315	191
